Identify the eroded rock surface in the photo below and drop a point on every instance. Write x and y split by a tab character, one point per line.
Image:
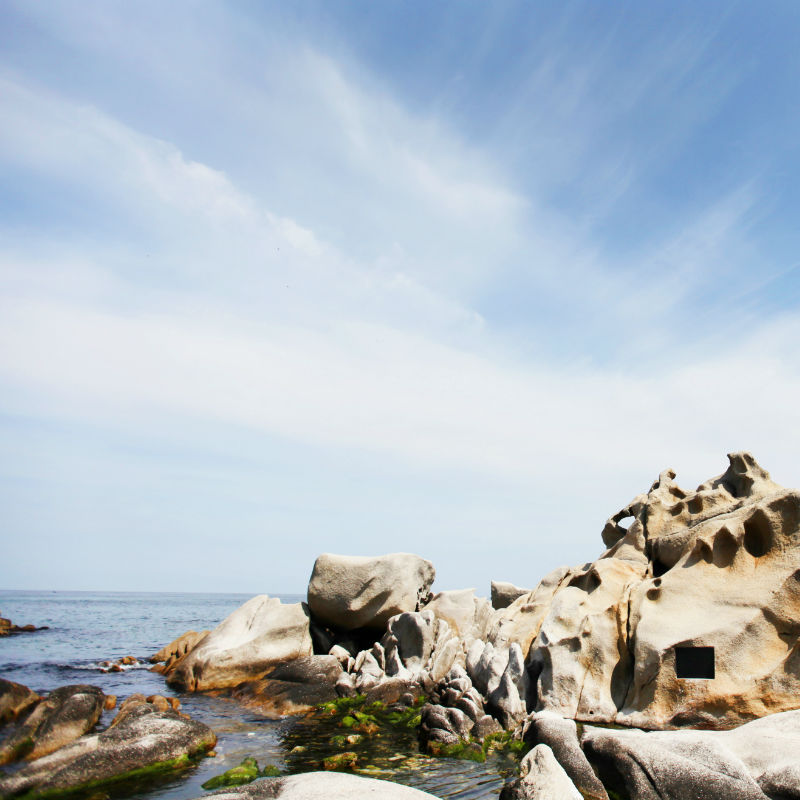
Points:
541	777
504	594
757	760
258	635
350	592
612	641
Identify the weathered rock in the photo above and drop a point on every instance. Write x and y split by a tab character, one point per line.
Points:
244	646
581	653
455	712
541	777
507	699
145	741
504	594
520	622
15	700
746	762
321	786
731	552
292	687
63	716
349	592
7	627
468	616
167	657
561	736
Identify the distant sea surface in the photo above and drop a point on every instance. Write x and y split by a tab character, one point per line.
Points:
86	628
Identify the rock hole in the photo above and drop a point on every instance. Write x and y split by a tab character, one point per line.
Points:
729	487
757	535
676	492
625	523
659	568
653	594
676	509
694	663
724	548
657	582
695	505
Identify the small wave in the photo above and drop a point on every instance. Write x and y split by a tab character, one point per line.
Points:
99	666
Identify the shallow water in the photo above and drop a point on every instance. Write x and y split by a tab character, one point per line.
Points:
86	628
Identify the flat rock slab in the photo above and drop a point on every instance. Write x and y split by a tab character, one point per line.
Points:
144	742
322	786
293	687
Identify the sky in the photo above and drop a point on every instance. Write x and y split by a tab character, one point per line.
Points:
452	278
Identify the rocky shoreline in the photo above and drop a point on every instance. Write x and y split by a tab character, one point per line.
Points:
666	668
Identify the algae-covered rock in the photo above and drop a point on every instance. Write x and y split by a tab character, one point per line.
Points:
144	742
246	772
346	760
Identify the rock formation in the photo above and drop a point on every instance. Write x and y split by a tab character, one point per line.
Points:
62	717
504	594
255	637
350	592
15	700
607	641
756	761
141	740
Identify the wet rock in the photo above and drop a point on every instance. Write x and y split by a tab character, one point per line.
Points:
15	700
144	741
322	786
254	638
352	592
292	687
110	702
168	656
63	716
541	777
7	627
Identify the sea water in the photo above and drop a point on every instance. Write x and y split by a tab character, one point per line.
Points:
87	628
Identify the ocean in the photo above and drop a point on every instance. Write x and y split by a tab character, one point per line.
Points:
87	628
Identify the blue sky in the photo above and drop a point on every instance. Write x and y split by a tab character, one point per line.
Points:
456	278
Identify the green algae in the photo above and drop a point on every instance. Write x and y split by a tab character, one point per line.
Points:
339	761
246	772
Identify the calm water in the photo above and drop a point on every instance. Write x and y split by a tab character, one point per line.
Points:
86	628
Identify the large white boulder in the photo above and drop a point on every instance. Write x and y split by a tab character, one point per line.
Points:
321	786
245	645
349	592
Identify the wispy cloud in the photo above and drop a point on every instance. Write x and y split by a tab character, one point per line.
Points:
365	278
